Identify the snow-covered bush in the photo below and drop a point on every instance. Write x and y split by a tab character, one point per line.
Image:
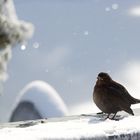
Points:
38	100
12	32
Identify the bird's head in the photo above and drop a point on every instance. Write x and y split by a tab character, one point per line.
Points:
103	77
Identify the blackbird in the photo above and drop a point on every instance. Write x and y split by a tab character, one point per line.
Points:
111	97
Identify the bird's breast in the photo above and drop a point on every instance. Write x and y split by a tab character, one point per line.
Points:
100	99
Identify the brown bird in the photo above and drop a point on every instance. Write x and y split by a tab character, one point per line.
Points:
111	97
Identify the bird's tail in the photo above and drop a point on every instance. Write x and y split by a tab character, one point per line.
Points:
135	101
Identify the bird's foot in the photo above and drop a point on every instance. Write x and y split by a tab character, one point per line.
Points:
111	118
114	117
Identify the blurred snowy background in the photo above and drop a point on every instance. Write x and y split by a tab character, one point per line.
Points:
73	41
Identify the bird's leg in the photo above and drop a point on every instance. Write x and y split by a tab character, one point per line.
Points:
113	116
107	116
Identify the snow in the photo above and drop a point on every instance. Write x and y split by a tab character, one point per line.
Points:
76	128
45	99
13	29
16	30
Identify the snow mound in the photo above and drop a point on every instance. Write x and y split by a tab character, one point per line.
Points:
42	98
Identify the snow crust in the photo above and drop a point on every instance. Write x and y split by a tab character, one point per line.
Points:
80	127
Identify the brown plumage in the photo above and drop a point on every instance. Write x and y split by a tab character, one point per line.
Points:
111	97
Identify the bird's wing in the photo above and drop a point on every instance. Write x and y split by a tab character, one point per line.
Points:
121	92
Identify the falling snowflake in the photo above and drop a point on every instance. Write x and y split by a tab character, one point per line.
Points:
36	45
23	47
115	6
86	33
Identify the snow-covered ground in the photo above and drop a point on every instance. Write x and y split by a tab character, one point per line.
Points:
75	127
